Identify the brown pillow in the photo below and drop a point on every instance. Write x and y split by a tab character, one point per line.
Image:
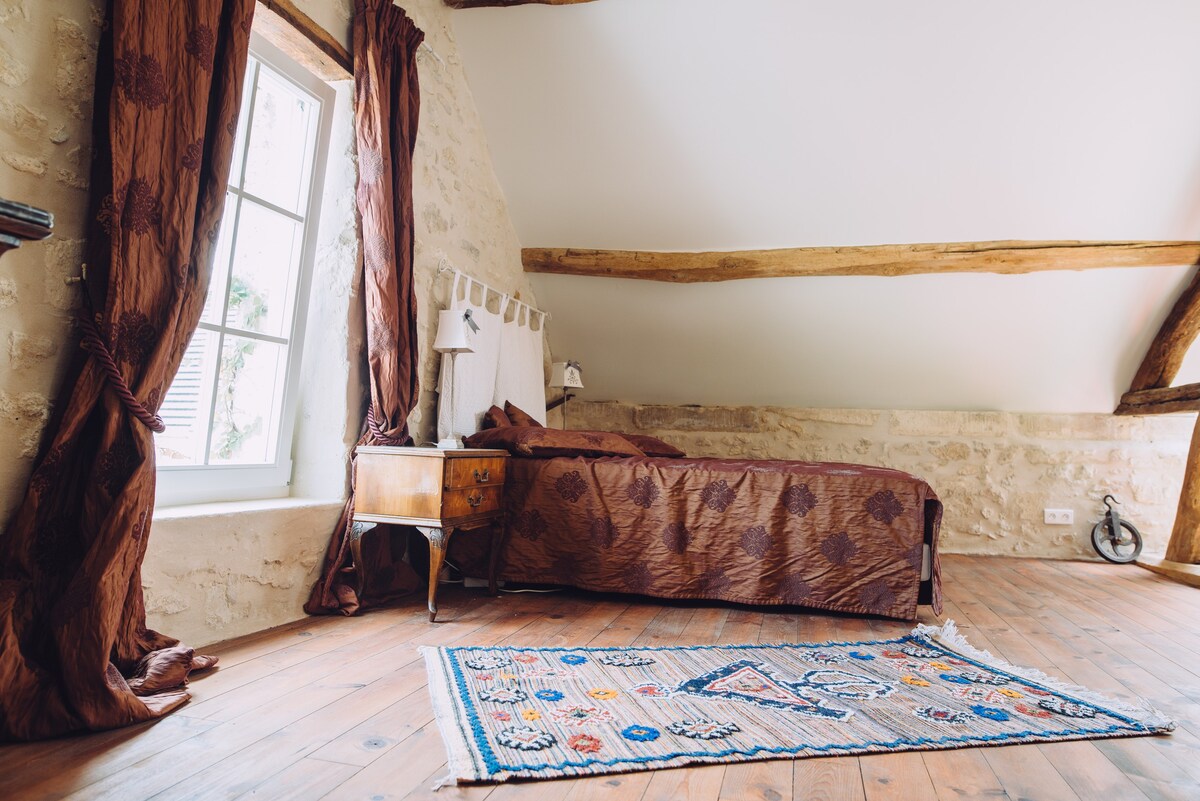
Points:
520	418
495	418
547	443
653	446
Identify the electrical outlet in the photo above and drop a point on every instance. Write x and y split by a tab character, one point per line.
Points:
1059	517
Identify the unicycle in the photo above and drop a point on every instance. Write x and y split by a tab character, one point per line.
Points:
1115	539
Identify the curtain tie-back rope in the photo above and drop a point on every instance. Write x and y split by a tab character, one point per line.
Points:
94	344
377	432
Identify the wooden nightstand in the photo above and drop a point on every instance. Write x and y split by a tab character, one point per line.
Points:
438	491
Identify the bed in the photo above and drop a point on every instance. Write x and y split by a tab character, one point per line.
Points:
841	537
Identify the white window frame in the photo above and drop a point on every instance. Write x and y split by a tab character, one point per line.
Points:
190	484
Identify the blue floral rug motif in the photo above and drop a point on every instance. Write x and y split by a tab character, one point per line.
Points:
511	712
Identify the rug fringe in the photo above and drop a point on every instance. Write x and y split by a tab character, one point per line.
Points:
458	758
948	635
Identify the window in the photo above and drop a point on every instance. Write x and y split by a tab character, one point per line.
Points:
230	411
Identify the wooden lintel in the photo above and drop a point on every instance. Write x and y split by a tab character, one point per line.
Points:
507	3
1006	257
294	32
1161	400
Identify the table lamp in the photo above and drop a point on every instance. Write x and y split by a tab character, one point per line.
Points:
565	376
451	340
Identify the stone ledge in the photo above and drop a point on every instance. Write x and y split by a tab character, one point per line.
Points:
266	505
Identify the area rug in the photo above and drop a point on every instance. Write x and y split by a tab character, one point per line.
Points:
507	712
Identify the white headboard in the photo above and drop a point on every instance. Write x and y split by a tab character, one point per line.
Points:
507	362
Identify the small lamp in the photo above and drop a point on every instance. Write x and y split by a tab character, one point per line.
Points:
452	340
565	376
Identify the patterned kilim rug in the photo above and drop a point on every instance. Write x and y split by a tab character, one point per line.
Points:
542	712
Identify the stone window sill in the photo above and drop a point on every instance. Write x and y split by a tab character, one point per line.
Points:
243	507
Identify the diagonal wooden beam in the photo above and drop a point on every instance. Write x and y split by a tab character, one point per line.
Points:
1151	393
888	260
507	3
1171	344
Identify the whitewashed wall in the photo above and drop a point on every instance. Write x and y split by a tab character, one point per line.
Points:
712	125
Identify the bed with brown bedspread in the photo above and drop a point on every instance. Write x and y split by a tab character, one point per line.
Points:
841	537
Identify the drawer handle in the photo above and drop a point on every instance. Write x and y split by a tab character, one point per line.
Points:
475	500
482	478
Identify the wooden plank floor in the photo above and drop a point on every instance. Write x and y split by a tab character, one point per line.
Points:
337	708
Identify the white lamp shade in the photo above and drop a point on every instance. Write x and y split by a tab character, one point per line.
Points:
452	333
565	375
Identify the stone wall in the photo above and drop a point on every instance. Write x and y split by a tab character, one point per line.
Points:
226	570
47	66
460	208
994	471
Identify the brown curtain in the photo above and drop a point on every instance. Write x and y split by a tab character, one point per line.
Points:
73	636
387	105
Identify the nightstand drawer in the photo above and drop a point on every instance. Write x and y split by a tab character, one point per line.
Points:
471	501
462	473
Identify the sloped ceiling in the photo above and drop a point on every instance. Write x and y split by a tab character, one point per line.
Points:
715	124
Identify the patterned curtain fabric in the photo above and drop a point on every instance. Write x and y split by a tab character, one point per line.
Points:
73	636
387	105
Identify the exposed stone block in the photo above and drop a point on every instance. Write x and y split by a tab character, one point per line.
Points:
21	120
1080	426
63	258
435	221
71	179
948	424
13	72
696	418
12	10
26	413
8	292
22	163
26	351
951	451
845	417
601	416
75	60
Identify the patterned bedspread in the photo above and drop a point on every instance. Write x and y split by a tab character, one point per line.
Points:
832	536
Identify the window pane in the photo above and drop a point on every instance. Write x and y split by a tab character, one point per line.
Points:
239	147
186	408
214	303
279	161
265	265
249	402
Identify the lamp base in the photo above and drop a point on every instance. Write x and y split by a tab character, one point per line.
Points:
450	443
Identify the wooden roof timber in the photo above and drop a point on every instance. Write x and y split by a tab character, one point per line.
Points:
1151	393
1007	257
1161	400
1171	343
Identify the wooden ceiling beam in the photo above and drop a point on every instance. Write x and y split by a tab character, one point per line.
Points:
507	3
1006	257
